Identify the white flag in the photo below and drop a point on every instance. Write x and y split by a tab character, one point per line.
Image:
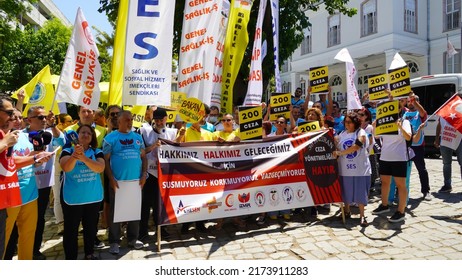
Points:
199	48
451	50
147	77
353	101
81	72
397	62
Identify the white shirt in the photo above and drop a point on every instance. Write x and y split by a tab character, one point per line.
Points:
394	146
357	163
150	137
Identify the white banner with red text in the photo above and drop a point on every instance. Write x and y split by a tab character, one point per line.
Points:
81	72
201	25
210	180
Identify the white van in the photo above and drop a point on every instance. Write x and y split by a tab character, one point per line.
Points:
433	91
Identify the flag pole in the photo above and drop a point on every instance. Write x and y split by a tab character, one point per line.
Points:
444	104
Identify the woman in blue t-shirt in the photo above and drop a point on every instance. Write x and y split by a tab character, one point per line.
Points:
82	192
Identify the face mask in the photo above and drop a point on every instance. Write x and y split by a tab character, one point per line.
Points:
212	119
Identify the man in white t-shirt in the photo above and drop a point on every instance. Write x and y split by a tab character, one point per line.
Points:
151	195
448	139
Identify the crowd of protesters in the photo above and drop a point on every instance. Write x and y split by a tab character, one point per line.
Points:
80	164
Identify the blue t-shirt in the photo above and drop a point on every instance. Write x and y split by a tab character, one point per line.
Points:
373	112
339	126
415	120
125	150
82	185
26	175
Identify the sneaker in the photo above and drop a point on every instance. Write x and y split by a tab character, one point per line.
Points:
364	222
143	237
60	230
39	256
260	220
445	189
98	244
286	216
91	257
114	249
397	217
136	244
381	209
427	196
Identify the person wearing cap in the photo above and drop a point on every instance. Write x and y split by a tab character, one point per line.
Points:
150	197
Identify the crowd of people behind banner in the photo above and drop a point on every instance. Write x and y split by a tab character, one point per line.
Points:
82	164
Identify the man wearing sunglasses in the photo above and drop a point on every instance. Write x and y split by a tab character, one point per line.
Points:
7	167
28	159
39	120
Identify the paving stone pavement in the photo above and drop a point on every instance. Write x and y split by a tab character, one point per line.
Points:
432	230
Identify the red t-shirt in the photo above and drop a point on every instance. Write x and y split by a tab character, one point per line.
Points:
10	195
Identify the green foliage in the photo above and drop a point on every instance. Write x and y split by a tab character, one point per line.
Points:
26	53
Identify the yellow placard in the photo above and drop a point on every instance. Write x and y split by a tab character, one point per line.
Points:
377	86
171	115
387	114
138	113
319	79
250	122
177	99
192	110
304	127
280	103
400	83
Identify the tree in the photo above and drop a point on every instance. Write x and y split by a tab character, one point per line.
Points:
292	22
23	56
9	19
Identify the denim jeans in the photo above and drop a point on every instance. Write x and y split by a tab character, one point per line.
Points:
446	154
419	161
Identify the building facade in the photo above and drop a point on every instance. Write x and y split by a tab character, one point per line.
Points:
40	12
418	30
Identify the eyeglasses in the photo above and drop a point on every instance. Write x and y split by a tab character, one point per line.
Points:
38	117
8	112
113	114
280	122
335	107
361	115
226	120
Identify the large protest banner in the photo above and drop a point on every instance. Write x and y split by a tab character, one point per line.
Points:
148	53
210	180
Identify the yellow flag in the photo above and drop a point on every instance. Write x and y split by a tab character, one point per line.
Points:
117	69
236	42
138	113
39	91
